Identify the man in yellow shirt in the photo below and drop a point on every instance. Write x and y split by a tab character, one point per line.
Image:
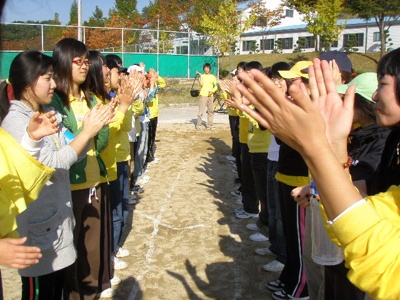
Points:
209	86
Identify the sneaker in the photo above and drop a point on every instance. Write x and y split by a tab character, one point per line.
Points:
156	160
238	210
119	264
122	252
107	293
253	227
132	199
230	158
198	128
282	295
210	127
263	251
273	266
239	200
245	215
236	193
258	237
146	177
115	280
137	190
275	285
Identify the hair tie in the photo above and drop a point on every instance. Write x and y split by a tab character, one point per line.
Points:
8	81
10	91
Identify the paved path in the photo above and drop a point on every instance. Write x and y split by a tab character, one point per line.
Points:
187	114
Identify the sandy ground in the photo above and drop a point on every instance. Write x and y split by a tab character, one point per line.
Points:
185	242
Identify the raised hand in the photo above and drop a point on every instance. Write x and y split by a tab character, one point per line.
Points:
41	125
336	113
14	254
236	98
99	116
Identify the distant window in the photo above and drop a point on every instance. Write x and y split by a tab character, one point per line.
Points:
262	22
289	13
309	42
286	43
353	40
335	44
377	37
248	45
267	44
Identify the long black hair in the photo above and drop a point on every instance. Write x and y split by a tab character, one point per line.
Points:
96	75
63	54
25	70
273	72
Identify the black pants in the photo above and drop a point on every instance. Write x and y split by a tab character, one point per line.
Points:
338	286
152	139
46	287
249	199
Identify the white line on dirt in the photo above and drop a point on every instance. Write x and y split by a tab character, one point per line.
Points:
165	224
156	223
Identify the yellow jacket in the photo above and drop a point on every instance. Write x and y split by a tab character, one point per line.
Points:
21	179
258	140
153	105
208	84
370	237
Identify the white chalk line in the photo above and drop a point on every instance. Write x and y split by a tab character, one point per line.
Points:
156	223
166	225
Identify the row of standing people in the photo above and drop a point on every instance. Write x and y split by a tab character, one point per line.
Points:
271	173
77	220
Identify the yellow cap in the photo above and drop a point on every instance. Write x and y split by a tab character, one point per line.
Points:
297	70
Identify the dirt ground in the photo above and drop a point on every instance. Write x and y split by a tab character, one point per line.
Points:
185	242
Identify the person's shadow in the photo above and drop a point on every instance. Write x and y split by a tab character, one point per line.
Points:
220	276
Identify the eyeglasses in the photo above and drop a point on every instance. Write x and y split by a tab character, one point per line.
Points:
80	62
277	81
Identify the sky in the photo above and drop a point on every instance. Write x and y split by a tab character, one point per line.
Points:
40	10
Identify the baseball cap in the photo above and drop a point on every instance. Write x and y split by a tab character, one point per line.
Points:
366	85
297	70
341	58
234	72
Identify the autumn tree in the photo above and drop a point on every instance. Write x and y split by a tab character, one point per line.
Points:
266	18
383	12
125	10
224	31
321	17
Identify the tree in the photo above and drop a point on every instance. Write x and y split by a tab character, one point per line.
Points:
321	17
225	29
126	9
384	13
73	14
266	18
97	19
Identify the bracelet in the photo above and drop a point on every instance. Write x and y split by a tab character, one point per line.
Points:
348	163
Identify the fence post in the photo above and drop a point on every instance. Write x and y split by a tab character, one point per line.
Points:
42	32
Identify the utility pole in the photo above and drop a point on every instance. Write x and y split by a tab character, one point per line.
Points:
80	20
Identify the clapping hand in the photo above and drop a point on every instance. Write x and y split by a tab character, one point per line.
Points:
41	125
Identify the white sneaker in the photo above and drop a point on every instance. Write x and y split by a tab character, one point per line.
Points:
108	293
156	160
119	264
146	177
115	280
263	251
230	158
122	252
238	210
274	266
132	199
258	237
236	193
253	227
245	215
239	200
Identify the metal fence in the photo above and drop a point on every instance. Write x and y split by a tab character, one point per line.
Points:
172	53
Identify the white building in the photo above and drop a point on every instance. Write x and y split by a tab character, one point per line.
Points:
364	36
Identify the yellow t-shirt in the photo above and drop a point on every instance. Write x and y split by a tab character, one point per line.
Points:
92	170
209	84
21	179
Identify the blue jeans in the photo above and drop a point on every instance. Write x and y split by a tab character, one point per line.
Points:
119	196
276	234
259	166
141	151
